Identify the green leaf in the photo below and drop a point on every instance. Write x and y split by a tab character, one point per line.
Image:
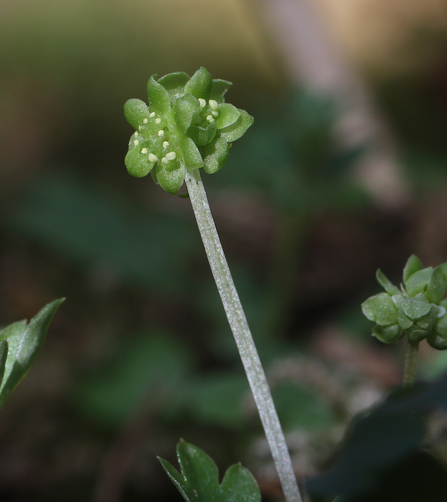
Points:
387	285
191	154
24	342
380	309
185	109
174	83
200	84
170	180
218	89
137	163
215	155
199	478
413	265
3	356
135	112
436	286
239	485
228	115
418	281
158	96
239	128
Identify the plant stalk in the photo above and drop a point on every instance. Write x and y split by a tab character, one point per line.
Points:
410	368
241	332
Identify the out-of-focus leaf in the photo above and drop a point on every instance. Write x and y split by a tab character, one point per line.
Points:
98	229
23	343
148	369
199	478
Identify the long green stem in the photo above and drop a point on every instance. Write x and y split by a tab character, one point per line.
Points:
244	340
411	358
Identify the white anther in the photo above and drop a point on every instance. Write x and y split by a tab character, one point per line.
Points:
152	115
171	155
165	144
136	134
152	157
144	151
136	142
161	133
164	161
215	113
210	118
202	103
158	120
145	121
213	104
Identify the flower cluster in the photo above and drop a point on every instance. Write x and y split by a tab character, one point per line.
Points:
187	125
417	309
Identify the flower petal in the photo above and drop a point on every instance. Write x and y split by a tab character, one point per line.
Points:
228	115
174	83
158	96
238	129
200	84
215	155
135	112
170	180
185	109
191	154
218	89
138	164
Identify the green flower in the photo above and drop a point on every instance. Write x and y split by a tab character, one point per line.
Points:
416	310
187	125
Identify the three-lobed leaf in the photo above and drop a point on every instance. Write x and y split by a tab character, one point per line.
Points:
198	480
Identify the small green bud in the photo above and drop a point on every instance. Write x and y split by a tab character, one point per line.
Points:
187	125
419	309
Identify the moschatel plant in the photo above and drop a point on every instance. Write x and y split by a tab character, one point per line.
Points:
416	310
185	126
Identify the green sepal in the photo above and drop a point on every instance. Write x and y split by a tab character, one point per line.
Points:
416	334
404	321
137	163
228	115
380	309
388	334
418	281
198	480
239	128
158	97
386	284
436	286
414	308
202	135
413	265
437	340
185	110
215	155
199	85
219	88
428	321
191	154
170	180
135	112
24	342
174	83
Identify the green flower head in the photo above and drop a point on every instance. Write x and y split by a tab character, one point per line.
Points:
416	310
187	125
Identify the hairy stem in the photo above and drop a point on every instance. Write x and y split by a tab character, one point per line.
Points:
244	340
411	357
